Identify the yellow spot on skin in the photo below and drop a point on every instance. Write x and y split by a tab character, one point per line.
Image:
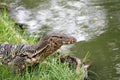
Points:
23	66
28	61
33	60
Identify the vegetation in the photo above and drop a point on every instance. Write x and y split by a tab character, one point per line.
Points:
50	70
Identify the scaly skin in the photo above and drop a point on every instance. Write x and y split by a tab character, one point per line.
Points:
18	56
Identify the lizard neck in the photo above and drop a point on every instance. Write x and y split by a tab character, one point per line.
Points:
44	49
40	45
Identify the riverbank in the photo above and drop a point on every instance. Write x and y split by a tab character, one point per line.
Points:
9	33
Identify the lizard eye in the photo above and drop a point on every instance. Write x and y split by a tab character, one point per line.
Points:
61	37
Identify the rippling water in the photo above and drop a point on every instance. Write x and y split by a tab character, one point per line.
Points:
71	17
95	23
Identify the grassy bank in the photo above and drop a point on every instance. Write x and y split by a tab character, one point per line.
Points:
44	71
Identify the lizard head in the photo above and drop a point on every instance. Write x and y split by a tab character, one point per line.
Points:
52	42
59	39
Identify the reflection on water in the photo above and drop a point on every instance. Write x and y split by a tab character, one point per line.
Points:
95	23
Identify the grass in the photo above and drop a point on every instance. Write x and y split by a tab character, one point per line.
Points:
8	32
49	71
52	70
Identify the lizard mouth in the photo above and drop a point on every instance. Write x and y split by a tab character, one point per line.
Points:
68	42
73	40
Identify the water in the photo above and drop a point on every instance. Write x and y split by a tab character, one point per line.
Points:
95	24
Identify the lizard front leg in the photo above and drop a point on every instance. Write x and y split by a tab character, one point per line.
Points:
19	64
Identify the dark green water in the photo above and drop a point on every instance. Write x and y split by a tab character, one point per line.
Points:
104	53
104	49
95	23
